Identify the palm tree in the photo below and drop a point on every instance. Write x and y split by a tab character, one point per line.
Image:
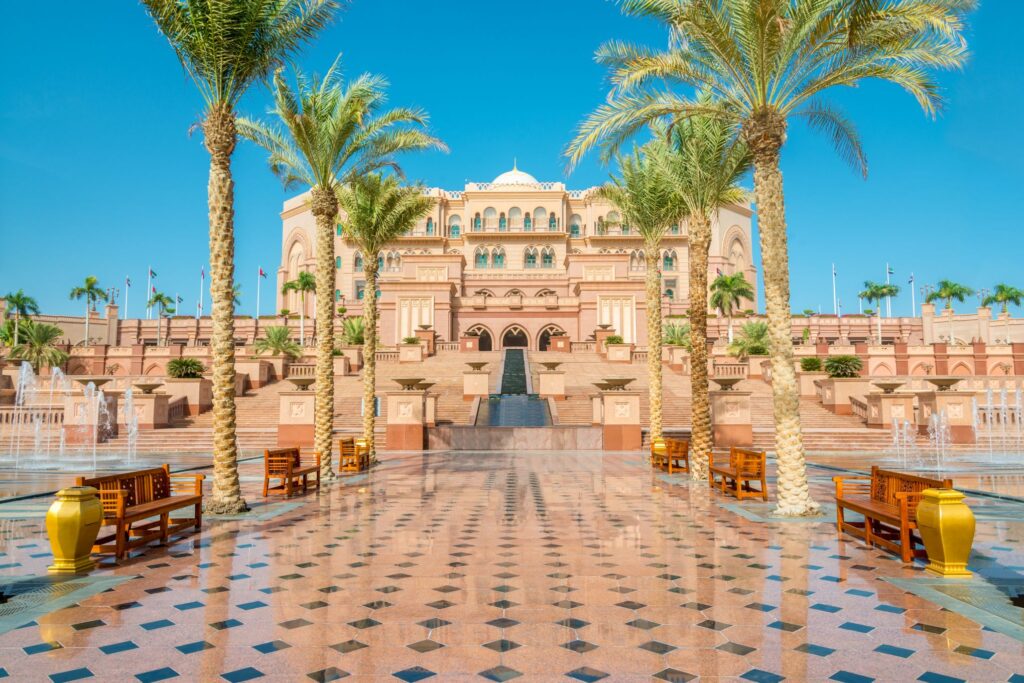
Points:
91	292
39	346
645	195
948	291
23	305
753	340
165	307
728	293
304	283
330	132
1004	295
236	295
277	341
878	292
226	46
766	62
379	210
705	170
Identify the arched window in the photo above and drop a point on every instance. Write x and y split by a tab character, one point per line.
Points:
430	226
337	263
357	261
515	218
380	262
480	257
575	225
483	292
394	262
540	217
498	258
547	292
552	221
530	257
340	229
455	225
477	224
602	229
490	217
527	223
514	292
544	338
668	260
502	222
547	259
637	261
670	294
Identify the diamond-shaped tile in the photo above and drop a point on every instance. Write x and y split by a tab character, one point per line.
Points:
364	623
586	674
572	623
440	604
413	674
433	623
503	622
329	674
348	646
579	646
501	645
643	624
500	673
657	647
425	646
630	604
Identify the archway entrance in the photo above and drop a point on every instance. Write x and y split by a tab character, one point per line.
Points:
515	338
484	340
544	340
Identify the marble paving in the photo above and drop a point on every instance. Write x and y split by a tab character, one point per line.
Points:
567	566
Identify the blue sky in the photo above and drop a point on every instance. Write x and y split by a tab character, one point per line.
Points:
100	175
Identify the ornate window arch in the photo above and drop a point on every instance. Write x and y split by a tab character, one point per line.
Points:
486	339
530	257
547	292
637	260
393	262
547	258
430	226
477	223
514	292
515	337
515	218
455	225
544	337
483	292
481	257
357	261
498	257
575	225
540	216
502	222
669	260
490	217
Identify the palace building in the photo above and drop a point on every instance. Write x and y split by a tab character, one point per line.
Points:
514	261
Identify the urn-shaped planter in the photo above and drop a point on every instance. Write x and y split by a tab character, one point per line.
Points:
72	525
947	529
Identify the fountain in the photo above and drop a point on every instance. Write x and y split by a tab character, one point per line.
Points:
409	384
147	387
550	367
302	383
617	383
904	441
1000	423
939	437
888	387
726	383
943	383
476	366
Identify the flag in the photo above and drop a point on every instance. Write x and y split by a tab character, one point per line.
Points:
152	273
834	273
890	270
202	273
154	290
127	282
179	299
911	280
262	273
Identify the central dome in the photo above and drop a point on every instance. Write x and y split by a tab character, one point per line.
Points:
515	177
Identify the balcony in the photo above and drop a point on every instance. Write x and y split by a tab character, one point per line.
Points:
490	230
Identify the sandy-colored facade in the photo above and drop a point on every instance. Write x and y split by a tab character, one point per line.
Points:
514	260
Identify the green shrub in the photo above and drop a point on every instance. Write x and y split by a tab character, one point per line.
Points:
614	339
410	340
812	364
185	368
843	366
352	330
677	335
752	340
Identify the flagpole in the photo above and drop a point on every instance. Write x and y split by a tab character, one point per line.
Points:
888	299
835	300
127	288
259	276
149	288
202	281
913	298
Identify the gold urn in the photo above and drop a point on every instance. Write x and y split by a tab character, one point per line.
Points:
73	523
946	524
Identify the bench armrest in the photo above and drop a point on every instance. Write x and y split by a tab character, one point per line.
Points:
857	487
181	483
113	501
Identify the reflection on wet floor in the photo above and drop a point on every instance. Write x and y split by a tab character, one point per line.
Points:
501	566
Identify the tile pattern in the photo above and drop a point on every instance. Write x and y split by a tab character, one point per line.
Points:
509	566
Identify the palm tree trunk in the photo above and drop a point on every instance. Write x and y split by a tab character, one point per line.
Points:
700	408
654	333
17	319
730	327
86	342
325	209
370	356
792	491
220	137
302	321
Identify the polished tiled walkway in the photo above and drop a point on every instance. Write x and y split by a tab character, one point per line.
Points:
497	567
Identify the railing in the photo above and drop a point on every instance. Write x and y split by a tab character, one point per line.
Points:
26	415
730	370
387	355
639	355
301	370
860	407
178	408
492	228
447	346
581	346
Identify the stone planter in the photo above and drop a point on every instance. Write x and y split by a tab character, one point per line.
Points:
342	366
561	344
947	529
552	384
257	370
72	525
836	392
469	344
410	353
354	355
807	379
197	392
619	353
755	370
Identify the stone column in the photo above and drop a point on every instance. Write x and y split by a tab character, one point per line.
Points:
1017	350
731	421
940	352
552	384
958	409
562	344
984	323
295	419
469	343
406	415
620	412
428	339
80	418
884	408
151	410
980	358
475	383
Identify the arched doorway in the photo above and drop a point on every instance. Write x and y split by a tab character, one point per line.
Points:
515	337
485	341
544	339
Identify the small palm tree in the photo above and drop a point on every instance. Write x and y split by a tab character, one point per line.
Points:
769	62
677	335
236	295
330	132
379	210
1004	295
39	346
949	291
648	201
226	46
352	330
753	340
303	284
91	292
165	307
706	169
879	292
22	305
727	294
278	342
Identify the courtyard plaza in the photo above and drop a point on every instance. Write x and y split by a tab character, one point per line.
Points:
500	566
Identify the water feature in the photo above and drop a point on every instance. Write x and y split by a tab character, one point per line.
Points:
904	442
939	437
1000	423
514	405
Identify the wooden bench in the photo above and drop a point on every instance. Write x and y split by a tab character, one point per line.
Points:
675	457
128	498
888	502
745	466
353	455
286	465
